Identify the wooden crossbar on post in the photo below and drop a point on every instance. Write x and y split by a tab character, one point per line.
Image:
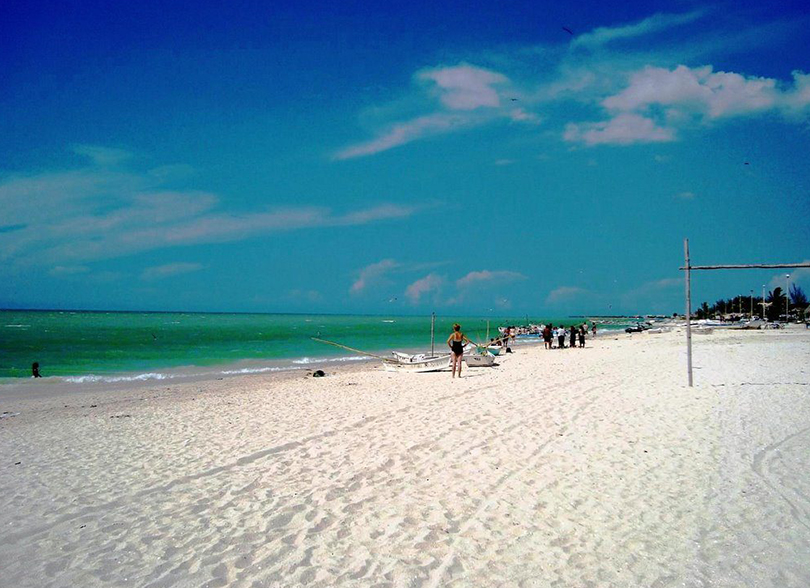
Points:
688	268
750	266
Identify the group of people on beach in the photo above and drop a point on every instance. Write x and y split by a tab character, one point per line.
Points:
457	340
560	333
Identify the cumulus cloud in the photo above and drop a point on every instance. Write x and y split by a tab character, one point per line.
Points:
645	96
169	269
487	276
521	115
686	96
372	273
623	129
431	283
465	87
664	291
798	275
700	90
468	96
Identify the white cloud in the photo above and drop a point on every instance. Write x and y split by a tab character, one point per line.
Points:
372	273
101	155
796	100
645	95
468	96
564	294
431	283
465	87
700	90
93	213
623	129
521	115
652	24
685	95
660	290
405	132
798	275
170	269
487	276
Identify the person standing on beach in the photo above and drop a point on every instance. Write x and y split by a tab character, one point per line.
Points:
582	336
547	336
573	336
561	337
35	370
593	330
456	342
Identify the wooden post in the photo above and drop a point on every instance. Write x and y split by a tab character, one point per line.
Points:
688	312
432	332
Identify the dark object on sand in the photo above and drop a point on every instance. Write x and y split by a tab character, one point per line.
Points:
318	374
509	350
35	370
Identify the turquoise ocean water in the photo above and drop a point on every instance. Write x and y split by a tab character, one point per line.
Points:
102	344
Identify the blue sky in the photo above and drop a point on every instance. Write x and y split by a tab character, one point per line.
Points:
400	158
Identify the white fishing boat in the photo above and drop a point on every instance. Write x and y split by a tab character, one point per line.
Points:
419	363
495	349
479	357
475	360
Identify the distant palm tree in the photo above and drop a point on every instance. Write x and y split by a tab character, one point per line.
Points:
777	304
797	296
703	310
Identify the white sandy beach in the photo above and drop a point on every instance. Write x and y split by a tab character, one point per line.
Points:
594	467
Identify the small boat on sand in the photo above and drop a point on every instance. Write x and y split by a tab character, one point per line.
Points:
419	363
479	357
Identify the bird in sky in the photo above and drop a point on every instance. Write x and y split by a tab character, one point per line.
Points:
569	31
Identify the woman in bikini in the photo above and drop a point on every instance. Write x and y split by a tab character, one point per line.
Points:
456	342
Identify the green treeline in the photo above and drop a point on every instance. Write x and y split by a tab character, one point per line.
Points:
775	305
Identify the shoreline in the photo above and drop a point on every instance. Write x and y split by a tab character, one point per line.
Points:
88	346
193	372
